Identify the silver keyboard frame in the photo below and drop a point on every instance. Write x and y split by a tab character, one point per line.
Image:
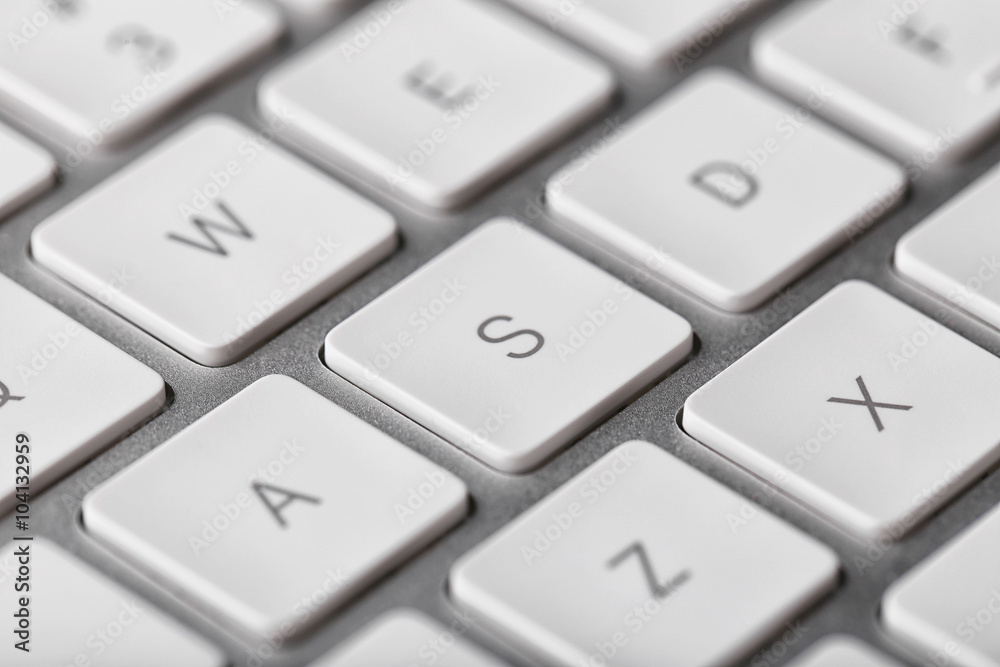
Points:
421	583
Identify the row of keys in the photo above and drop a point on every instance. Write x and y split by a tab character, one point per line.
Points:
921	82
122	629
749	176
279	469
216	198
684	588
550	329
197	549
150	60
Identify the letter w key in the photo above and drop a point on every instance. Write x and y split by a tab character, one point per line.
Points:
206	226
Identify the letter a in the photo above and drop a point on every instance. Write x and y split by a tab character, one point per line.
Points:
289	498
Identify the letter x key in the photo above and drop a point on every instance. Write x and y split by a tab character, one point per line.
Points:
869	403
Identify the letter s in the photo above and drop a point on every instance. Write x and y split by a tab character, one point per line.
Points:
539	339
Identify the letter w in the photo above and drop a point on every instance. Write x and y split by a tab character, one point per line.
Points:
205	226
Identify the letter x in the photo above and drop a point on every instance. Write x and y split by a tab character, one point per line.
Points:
869	403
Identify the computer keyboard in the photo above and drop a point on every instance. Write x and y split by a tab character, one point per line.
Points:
483	332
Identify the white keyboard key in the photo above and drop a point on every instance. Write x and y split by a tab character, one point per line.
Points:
508	346
634	563
78	617
277	480
949	605
842	651
920	79
26	171
725	190
953	253
98	73
407	638
67	390
437	100
262	237
642	34
862	408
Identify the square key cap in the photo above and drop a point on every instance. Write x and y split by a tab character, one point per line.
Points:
919	78
65	392
80	618
274	508
435	100
726	190
214	241
407	638
634	563
949	605
862	408
508	346
99	72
